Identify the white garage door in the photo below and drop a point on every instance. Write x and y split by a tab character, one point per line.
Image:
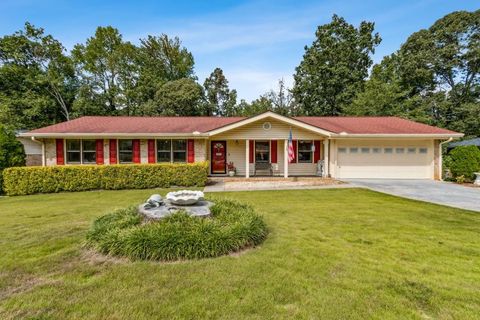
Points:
393	161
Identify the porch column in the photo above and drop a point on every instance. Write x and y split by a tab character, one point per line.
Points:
247	158
326	160
285	159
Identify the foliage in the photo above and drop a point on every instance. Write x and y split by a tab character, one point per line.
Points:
334	67
464	161
232	227
221	101
183	97
30	180
37	80
433	78
12	153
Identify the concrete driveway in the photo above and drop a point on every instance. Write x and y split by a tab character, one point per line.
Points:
439	192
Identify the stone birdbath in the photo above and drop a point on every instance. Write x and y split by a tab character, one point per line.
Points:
477	178
190	201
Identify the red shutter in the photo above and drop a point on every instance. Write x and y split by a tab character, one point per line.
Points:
151	151
190	150
251	149
294	144
113	151
60	153
136	150
99	151
316	154
273	151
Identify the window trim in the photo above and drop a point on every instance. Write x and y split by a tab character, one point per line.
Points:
311	151
81	162
269	150
172	151
118	151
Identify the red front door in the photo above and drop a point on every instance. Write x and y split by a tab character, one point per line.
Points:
219	156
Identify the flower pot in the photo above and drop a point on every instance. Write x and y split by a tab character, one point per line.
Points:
231	173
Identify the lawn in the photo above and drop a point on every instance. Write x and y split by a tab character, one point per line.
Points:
330	254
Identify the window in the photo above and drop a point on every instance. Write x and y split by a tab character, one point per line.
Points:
365	150
342	150
74	151
411	150
164	150
125	151
353	150
388	150
179	150
305	151
376	150
399	150
422	150
89	154
262	151
81	151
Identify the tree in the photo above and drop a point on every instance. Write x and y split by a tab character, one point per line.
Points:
334	67
12	153
221	101
181	97
162	59
107	68
282	101
37	80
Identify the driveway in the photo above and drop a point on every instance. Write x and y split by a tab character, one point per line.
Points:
439	192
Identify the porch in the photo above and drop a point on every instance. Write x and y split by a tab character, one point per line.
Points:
268	158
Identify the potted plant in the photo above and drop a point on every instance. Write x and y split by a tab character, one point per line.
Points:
231	169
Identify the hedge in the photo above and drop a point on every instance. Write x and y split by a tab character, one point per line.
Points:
464	161
31	180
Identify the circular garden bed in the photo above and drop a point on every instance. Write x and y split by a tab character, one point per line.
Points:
232	227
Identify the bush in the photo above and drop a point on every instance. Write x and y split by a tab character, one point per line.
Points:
232	227
464	161
30	180
12	153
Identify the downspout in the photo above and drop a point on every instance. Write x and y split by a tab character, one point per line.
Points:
43	150
440	157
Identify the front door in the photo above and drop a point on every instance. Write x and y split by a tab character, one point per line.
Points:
219	156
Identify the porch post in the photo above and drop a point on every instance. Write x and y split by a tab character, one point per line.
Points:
326	160
247	158
285	159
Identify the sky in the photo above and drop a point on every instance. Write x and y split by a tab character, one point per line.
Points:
256	43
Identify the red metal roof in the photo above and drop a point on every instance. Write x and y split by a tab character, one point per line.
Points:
155	125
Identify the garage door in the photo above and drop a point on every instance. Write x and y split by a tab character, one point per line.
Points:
384	162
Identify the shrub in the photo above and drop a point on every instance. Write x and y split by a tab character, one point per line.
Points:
464	161
232	227
30	180
11	152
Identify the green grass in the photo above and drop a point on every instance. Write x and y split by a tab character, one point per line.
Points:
330	254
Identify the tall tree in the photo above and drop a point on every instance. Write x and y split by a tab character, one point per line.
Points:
37	79
334	67
162	59
282	100
221	101
107	68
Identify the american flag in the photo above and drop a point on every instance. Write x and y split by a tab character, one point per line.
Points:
291	152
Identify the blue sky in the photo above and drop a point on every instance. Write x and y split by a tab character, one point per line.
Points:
254	42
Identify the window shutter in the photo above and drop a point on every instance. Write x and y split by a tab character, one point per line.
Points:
99	151
190	150
294	144
316	154
136	150
151	150
273	151
113	151
251	149
60	152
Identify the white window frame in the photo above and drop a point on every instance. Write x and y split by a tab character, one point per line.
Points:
172	151
81	162
118	151
311	151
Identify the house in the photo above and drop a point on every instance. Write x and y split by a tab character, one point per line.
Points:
347	147
32	148
469	142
